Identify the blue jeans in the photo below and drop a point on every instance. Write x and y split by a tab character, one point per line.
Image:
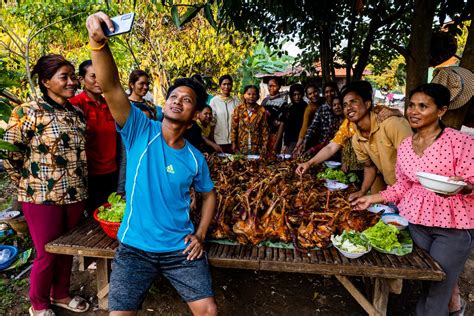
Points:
133	272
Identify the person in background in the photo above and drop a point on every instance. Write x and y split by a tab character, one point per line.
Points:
313	97
275	104
326	122
442	225
139	85
249	134
101	138
156	235
293	118
50	173
204	121
223	106
198	78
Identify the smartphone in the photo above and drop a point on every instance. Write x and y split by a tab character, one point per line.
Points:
122	24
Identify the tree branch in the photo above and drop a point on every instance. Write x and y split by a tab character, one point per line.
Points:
10	50
400	49
12	35
27	48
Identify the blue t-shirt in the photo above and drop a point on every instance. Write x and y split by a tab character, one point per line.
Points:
158	181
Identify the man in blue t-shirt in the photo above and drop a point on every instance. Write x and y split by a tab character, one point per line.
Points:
157	235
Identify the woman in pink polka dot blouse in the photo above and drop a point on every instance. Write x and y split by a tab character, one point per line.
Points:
440	224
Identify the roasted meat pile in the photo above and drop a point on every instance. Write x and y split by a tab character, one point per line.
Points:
261	200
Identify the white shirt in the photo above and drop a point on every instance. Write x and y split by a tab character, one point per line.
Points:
222	110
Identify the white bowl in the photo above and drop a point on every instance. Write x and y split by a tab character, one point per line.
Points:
8	215
396	220
439	184
332	164
224	155
284	156
333	185
253	157
377	208
353	255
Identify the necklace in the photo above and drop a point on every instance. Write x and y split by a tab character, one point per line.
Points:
419	146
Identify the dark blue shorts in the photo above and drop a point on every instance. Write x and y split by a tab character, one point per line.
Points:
134	270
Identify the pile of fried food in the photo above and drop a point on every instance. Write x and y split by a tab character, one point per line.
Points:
260	200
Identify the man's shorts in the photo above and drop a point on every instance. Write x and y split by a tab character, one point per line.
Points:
134	270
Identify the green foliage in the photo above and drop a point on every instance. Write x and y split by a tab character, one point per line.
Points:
262	60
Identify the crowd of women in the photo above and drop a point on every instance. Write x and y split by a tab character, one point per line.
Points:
71	158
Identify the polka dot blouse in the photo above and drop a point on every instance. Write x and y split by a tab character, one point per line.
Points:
452	154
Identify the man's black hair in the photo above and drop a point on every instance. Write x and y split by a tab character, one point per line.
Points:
201	95
361	88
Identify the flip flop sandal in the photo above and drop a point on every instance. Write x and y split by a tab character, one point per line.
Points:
461	311
44	312
73	304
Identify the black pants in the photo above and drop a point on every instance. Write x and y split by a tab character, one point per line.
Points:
100	187
451	249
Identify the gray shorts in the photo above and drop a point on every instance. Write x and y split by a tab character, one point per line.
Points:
133	272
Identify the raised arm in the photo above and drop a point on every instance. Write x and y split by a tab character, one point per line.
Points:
106	69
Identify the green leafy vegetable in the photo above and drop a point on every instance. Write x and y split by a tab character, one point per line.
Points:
352	242
383	236
115	212
335	174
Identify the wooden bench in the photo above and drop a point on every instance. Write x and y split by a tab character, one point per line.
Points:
386	271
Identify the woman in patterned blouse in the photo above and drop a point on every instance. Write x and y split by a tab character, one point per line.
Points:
50	172
249	134
443	225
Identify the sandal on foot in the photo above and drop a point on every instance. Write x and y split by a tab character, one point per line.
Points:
44	312
73	304
461	311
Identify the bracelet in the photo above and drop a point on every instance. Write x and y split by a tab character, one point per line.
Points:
96	48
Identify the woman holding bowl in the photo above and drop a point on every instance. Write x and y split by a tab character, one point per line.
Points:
443	225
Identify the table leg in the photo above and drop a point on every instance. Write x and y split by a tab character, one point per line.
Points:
357	295
103	282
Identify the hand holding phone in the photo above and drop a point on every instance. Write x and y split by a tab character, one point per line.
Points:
122	24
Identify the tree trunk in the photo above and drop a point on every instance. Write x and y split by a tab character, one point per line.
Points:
349	42
467	60
419	45
456	118
324	44
365	52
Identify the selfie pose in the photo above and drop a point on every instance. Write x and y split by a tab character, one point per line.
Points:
156	235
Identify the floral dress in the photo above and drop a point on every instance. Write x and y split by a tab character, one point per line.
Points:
249	129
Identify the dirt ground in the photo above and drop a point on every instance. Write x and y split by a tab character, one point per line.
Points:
247	292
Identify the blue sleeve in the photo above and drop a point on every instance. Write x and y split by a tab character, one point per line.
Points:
202	181
136	125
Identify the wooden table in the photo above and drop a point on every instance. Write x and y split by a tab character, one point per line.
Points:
386	271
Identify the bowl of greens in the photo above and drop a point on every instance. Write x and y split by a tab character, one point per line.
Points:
110	214
389	239
338	175
351	244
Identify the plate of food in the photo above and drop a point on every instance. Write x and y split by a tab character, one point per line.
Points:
284	156
334	185
332	164
351	244
380	208
224	155
253	157
388	239
396	220
440	184
338	175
